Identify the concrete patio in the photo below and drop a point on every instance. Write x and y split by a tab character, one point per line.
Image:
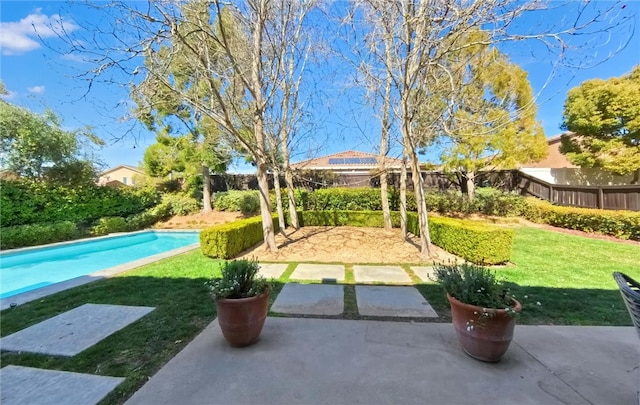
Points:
328	361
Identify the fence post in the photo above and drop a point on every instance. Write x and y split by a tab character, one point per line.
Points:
600	198
551	195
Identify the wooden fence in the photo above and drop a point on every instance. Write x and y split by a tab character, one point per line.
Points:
604	197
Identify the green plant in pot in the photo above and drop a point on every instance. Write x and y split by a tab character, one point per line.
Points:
242	298
482	311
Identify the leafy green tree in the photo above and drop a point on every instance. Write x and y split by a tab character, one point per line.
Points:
34	146
204	148
492	123
605	116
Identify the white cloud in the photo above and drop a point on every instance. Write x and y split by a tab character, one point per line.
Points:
23	36
36	89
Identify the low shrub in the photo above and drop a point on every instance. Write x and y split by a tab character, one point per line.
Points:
345	218
474	241
349	199
108	225
247	201
149	217
180	204
228	240
449	202
37	234
492	201
621	224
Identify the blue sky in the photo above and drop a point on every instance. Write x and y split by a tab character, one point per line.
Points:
38	78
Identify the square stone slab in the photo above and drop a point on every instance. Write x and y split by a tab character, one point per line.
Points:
306	271
310	299
392	301
382	274
24	385
426	273
272	270
71	332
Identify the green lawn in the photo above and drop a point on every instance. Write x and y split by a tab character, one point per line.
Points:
569	276
174	286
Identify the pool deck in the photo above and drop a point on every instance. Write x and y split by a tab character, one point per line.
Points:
28	296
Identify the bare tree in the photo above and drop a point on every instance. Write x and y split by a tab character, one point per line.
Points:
289	48
424	33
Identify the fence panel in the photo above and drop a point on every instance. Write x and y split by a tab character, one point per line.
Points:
604	197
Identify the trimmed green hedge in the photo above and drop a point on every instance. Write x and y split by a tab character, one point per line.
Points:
473	241
13	237
621	224
27	202
228	240
37	234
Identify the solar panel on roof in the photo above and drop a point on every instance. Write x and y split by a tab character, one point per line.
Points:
353	161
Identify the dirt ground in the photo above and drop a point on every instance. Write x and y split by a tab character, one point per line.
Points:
346	244
325	245
343	244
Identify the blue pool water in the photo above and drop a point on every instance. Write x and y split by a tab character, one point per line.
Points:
33	269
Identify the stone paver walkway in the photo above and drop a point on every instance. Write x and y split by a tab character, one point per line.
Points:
424	272
382	274
306	271
392	301
24	385
310	299
272	270
73	331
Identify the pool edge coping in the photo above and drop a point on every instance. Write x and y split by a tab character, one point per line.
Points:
28	296
91	239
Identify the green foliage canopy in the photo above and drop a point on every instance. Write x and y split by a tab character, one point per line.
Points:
493	119
33	145
605	116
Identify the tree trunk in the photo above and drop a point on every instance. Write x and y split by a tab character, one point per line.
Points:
403	197
276	186
423	219
258	128
384	138
206	189
265	208
471	184
636	177
293	212
384	195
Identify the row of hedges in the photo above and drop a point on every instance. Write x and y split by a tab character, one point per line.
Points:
27	202
621	224
39	234
228	240
474	241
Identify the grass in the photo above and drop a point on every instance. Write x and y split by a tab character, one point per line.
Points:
569	276
175	287
566	279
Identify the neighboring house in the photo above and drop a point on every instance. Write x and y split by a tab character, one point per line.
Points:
555	159
556	169
123	174
345	169
348	162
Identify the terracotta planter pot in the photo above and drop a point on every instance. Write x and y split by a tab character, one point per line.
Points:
241	320
483	337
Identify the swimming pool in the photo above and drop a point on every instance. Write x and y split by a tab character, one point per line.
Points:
31	269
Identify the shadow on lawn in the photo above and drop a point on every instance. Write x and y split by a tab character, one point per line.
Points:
552	306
